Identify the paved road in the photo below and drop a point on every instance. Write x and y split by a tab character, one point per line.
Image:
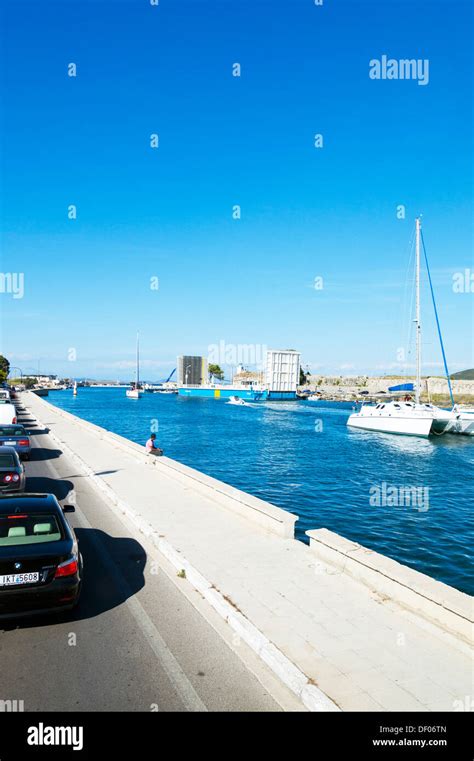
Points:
141	639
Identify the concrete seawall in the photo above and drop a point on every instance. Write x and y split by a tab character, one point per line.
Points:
342	626
268	516
440	603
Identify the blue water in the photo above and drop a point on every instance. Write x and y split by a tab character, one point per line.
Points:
302	457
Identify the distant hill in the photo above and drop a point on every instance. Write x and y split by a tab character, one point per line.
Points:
463	375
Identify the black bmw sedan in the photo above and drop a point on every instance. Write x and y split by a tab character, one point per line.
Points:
40	562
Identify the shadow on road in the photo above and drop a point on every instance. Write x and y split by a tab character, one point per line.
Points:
60	487
113	572
40	453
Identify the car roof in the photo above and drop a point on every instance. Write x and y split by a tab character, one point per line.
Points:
28	502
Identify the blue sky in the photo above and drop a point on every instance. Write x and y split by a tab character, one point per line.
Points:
224	140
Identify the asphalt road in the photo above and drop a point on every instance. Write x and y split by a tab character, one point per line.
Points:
141	639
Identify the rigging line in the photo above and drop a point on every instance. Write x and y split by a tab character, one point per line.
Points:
437	322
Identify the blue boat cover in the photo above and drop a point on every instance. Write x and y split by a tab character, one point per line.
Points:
402	387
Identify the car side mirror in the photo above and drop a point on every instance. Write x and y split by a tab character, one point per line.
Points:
69	509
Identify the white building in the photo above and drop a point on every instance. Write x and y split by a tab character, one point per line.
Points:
282	373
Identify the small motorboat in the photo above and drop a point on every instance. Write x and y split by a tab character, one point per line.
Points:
237	400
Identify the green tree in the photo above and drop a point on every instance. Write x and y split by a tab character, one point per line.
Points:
4	368
216	371
30	382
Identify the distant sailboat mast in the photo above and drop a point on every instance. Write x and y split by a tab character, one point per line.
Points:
417	317
134	391
138	362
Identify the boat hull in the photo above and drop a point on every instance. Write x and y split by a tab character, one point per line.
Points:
400	426
463	424
224	392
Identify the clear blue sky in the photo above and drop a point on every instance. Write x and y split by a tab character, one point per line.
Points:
306	212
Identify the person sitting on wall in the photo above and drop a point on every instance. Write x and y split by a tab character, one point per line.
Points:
151	447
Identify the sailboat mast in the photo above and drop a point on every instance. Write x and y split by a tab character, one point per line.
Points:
138	363
417	318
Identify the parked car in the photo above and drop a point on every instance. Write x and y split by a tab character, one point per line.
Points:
40	564
7	413
17	437
5	395
12	471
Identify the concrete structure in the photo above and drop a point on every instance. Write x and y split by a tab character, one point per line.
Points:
341	626
282	373
192	371
353	385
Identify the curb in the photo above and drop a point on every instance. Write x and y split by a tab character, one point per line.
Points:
313	699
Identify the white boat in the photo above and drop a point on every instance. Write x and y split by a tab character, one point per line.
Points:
406	418
74	389
237	400
463	422
135	392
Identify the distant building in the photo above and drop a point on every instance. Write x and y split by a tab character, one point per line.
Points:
282	373
44	380
247	378
192	371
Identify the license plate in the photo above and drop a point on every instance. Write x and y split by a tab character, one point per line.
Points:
18	578
9	443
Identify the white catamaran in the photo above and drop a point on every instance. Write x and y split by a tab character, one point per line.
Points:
464	421
406	417
135	392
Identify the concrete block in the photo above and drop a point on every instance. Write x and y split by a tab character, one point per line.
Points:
447	607
284	668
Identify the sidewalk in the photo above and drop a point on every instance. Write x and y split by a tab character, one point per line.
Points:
360	648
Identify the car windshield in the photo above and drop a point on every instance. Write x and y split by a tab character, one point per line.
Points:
7	461
12	430
29	529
